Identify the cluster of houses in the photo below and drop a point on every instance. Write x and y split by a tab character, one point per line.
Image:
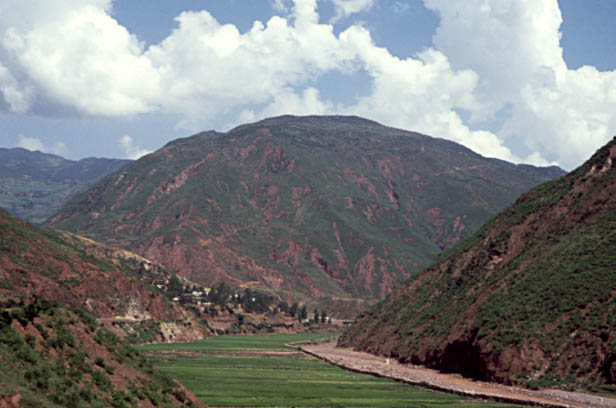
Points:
193	297
198	300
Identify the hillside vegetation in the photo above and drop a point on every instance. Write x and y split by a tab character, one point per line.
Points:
53	356
336	210
530	298
53	352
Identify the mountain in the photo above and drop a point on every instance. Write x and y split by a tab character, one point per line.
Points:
35	185
332	209
530	298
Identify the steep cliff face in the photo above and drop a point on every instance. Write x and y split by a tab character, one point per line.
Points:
311	207
530	298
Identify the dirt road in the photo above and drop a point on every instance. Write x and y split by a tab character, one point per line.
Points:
371	364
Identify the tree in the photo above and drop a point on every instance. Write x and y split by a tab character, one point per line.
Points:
303	313
323	316
284	307
293	310
220	294
256	302
316	316
174	287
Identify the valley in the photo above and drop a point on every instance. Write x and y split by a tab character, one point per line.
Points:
214	252
367	363
259	371
307	203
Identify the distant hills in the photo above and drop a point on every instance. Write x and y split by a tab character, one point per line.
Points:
332	210
529	299
35	185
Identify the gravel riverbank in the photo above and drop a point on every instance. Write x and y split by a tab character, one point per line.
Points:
390	368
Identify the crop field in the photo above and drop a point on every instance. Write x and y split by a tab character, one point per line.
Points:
238	343
259	371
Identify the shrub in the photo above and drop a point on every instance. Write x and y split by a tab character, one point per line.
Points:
101	380
30	340
42	330
27	354
20	316
63	338
121	399
10	337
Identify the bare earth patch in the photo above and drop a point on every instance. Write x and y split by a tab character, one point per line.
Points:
390	368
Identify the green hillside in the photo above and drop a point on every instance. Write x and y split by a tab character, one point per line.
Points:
530	298
53	352
53	356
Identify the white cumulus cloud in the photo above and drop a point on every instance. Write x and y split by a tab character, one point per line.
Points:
514	47
490	59
31	143
345	8
130	150
420	94
35	144
74	55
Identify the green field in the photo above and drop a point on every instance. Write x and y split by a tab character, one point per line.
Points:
240	371
238	343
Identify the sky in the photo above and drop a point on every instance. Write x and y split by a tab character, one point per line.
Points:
527	81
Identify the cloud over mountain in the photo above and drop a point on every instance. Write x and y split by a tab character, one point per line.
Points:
490	59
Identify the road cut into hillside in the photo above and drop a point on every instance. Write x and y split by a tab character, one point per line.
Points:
418	375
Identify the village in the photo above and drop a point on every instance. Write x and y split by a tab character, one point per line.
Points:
237	308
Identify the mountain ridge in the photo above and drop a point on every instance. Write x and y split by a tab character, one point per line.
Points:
310	207
34	185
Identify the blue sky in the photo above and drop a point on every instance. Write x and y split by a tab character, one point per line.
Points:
522	80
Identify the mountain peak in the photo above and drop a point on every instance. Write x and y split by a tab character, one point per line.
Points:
35	185
323	120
